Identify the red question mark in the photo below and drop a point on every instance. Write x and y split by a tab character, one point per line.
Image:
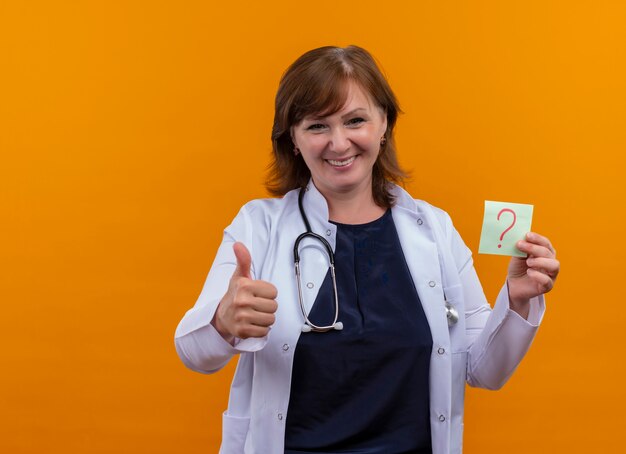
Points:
512	224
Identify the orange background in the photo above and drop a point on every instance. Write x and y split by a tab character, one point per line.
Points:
131	133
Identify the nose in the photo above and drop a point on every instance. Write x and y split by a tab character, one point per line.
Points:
339	141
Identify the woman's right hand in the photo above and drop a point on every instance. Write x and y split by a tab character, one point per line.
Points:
247	309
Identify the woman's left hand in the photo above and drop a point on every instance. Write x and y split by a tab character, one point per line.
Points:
533	275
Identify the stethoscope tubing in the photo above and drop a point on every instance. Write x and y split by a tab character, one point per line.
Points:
452	315
308	324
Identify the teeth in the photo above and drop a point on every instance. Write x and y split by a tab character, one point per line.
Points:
341	163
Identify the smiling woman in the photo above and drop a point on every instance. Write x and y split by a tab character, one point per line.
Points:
390	377
324	82
340	151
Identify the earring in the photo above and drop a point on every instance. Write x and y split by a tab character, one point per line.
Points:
296	151
383	141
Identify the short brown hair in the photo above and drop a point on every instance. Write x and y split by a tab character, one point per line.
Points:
316	84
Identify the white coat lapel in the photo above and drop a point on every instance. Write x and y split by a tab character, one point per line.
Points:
420	253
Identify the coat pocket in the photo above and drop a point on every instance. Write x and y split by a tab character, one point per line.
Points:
234	434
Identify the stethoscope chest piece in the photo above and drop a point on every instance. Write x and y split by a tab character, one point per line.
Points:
451	314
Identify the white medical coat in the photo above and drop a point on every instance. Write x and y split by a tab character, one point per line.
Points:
482	349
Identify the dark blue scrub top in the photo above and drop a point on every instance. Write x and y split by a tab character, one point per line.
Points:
363	389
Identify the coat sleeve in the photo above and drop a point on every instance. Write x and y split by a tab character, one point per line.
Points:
198	344
497	338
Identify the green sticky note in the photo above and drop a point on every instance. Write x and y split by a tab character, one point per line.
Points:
503	225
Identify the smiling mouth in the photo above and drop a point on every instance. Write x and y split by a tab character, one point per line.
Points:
343	163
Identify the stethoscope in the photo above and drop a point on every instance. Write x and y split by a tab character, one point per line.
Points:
308	324
452	315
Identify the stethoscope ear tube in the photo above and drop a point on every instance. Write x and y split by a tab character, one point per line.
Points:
306	328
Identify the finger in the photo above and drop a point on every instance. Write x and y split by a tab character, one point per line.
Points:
261	289
534	250
264	289
268	306
263	320
250	316
244	260
541	240
548	266
246	305
544	282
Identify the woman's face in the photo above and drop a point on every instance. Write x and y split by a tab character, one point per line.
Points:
340	149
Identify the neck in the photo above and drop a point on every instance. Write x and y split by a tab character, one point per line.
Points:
358	208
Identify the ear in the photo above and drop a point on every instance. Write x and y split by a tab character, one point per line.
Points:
383	116
296	150
384	124
293	136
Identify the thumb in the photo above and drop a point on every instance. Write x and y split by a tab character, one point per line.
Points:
244	260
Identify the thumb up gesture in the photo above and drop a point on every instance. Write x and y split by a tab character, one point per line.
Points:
247	309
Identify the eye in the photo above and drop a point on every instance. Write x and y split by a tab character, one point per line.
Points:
355	121
315	127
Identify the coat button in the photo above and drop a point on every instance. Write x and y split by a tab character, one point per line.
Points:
440	350
310	284
419	221
432	283
280	416
285	347
442	418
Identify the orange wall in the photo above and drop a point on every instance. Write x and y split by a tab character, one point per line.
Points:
131	132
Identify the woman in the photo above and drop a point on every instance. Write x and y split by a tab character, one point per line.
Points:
373	355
